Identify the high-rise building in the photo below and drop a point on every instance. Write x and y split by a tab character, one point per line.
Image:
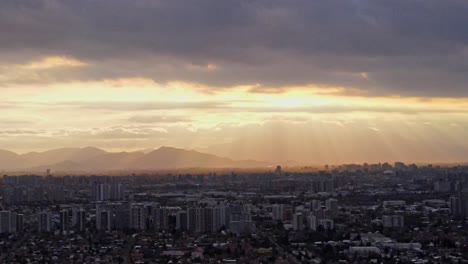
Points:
277	212
219	218
200	221
35	194
459	204
44	222
161	218
117	191
56	193
65	221
442	186
79	220
103	218
5	222
313	222
332	206
182	220
19	223
13	222
321	213
101	192
138	217
240	220
209	220
192	219
14	195
322	185
10	180
456	207
150	211
121	219
298	221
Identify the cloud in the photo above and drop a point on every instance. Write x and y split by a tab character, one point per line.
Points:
15	122
20	132
416	48
115	133
171	110
140	106
336	109
52	62
149	119
46	69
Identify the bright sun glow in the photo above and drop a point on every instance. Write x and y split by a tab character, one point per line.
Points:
110	113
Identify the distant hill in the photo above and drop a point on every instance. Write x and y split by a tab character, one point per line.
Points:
77	155
166	157
94	159
10	160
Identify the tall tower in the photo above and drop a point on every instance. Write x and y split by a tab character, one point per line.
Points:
278	171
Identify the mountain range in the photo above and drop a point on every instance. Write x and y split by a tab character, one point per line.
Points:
95	159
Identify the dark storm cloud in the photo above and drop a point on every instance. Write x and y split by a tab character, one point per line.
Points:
406	47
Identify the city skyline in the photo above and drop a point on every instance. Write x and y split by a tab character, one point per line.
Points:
233	131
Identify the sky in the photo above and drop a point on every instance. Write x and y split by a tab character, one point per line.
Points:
308	81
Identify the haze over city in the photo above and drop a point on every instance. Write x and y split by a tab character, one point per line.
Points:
310	82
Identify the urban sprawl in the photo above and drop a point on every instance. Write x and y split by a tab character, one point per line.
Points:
370	213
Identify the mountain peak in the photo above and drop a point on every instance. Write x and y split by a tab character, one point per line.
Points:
91	148
168	148
7	152
171	150
92	158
